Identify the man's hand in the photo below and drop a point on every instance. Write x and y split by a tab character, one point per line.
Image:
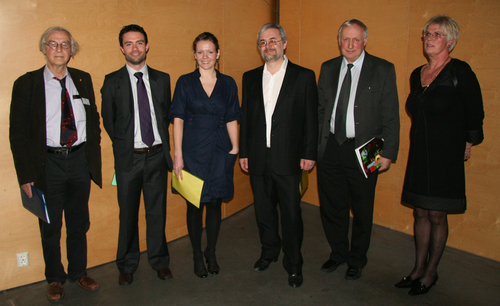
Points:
468	147
27	189
384	163
244	164
306	164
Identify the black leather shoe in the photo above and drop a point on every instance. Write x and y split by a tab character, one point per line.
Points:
125	278
353	273
406	282
295	280
420	288
164	273
330	266
262	264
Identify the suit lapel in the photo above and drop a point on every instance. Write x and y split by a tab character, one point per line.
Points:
126	90
288	82
365	77
258	90
77	80
155	91
334	77
39	94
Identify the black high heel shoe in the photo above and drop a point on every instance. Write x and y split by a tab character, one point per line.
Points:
421	288
199	266
213	267
406	282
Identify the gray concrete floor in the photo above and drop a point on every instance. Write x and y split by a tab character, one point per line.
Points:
464	279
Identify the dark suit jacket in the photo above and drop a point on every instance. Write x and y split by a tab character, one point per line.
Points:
294	123
376	106
118	113
28	138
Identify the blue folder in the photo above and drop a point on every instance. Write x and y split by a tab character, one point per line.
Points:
36	204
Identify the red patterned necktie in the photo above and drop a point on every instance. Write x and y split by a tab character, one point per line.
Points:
68	128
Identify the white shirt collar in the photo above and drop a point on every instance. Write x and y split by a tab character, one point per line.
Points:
357	63
132	71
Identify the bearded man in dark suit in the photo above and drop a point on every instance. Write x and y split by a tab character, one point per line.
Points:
278	140
358	100
55	140
135	106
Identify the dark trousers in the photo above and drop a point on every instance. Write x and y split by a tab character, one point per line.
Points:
67	189
194	217
342	186
269	189
149	175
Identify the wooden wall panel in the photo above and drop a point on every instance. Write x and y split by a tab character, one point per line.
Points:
395	29
95	24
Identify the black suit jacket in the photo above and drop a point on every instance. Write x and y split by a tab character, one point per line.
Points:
118	113
376	106
28	137
294	122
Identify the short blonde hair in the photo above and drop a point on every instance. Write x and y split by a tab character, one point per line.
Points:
449	26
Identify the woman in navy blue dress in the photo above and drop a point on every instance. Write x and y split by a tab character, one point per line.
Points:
205	112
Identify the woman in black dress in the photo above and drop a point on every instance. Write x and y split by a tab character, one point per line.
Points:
205	112
446	109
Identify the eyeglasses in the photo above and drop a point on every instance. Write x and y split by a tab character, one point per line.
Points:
436	35
54	45
272	42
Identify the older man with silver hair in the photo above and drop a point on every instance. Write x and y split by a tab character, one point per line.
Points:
358	101
55	141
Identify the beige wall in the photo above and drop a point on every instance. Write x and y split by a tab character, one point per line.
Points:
395	29
171	28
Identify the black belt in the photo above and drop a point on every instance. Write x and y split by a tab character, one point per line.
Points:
350	139
64	150
147	150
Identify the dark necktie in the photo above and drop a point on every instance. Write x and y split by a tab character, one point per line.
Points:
341	112
144	111
68	128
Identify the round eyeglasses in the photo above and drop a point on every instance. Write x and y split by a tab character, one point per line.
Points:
54	45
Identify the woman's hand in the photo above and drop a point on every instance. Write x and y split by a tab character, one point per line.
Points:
178	166
235	150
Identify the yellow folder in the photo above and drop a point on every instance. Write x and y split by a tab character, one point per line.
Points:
190	187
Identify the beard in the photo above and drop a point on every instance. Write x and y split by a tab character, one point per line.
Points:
135	61
271	58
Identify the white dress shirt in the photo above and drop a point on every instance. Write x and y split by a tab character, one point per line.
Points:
53	109
138	143
355	73
271	86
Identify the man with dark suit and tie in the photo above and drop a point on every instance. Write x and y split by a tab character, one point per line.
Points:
278	140
55	140
358	100
135	106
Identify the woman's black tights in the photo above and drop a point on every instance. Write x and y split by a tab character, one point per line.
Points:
431	233
212	221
